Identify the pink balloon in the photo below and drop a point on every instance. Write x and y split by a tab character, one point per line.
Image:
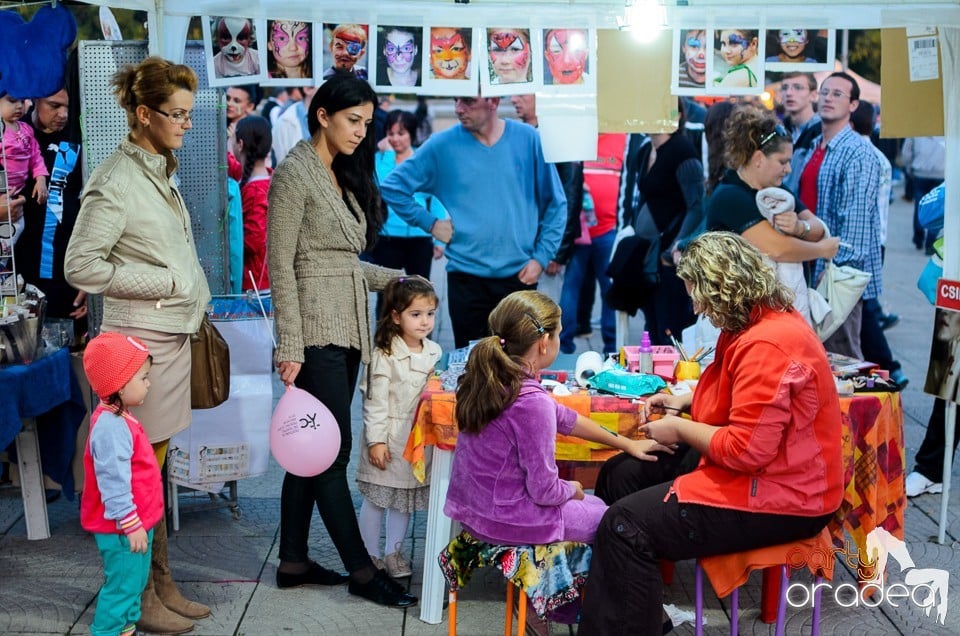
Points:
304	436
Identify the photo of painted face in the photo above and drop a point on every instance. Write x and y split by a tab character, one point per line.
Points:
399	60
736	62
234	47
566	52
790	46
450	53
346	49
509	56
290	46
943	374
692	69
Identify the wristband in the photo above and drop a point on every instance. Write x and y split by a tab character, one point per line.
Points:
806	230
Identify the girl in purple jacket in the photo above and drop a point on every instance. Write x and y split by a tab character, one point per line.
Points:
504	486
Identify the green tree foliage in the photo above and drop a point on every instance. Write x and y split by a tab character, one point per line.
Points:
133	24
864	53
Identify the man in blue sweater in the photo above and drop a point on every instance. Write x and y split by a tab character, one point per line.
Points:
506	204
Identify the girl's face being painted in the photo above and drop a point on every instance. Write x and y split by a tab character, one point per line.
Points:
290	42
510	55
735	48
399	51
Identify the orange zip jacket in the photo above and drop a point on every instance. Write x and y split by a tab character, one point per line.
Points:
779	450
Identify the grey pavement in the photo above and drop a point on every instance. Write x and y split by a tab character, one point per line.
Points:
50	586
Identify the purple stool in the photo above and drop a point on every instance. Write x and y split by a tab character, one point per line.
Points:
735	597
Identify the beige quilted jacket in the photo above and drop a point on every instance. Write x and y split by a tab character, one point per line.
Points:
133	243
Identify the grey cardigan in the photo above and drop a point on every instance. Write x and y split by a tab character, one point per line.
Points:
320	287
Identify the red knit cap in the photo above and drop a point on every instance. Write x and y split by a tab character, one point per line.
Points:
111	360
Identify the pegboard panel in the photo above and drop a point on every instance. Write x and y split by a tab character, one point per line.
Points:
201	173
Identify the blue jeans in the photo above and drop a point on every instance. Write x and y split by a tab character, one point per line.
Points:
597	254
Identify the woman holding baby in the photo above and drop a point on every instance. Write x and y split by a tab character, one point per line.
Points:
751	202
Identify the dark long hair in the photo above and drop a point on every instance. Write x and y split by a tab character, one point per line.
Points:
406	120
254	132
354	172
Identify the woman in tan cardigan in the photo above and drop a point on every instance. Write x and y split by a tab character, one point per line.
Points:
133	243
324	210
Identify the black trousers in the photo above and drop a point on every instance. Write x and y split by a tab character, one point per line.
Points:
929	459
329	374
873	342
669	307
413	255
470	299
624	592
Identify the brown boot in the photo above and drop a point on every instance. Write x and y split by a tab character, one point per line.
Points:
167	590
156	618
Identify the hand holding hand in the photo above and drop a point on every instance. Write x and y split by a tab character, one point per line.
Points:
138	541
379	455
663	403
788	223
665	431
642	449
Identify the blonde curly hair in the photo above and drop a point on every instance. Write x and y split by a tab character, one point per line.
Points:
730	279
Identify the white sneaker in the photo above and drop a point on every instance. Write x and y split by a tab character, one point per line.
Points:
917	484
378	562
397	566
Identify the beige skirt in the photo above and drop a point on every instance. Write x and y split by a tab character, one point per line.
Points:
166	409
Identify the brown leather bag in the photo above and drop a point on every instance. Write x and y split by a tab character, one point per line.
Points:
210	367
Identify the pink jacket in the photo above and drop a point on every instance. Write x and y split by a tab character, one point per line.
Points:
23	156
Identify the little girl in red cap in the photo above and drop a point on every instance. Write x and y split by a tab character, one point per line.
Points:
122	491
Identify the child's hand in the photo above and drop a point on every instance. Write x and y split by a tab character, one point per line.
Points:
379	455
642	449
138	541
578	494
788	223
40	190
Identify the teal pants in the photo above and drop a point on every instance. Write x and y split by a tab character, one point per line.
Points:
125	575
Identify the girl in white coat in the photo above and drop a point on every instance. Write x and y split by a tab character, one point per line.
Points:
398	371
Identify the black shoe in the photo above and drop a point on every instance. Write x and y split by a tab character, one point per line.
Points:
889	320
383	590
929	250
316	574
51	495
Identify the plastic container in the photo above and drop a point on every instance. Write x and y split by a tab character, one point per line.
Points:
630	358
664	360
646	354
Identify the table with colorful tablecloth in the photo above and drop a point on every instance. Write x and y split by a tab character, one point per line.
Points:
873	455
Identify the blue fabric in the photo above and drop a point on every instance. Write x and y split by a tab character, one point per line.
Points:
394	225
29	391
235	235
34	60
506	203
930	209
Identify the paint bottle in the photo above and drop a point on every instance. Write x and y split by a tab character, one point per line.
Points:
646	354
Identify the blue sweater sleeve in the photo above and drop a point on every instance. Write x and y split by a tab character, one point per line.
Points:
111	446
416	174
552	203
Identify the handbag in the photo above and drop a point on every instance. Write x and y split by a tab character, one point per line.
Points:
634	268
841	286
209	367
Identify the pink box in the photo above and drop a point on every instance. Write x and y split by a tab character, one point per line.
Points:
664	359
631	359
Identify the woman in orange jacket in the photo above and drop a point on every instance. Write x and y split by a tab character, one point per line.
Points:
765	420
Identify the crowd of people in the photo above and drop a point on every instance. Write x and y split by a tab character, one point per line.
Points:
337	196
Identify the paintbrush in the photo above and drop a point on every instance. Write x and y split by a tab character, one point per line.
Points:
704	354
683	354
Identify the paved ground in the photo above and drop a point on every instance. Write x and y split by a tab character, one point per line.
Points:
50	587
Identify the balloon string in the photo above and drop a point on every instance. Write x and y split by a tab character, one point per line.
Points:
262	309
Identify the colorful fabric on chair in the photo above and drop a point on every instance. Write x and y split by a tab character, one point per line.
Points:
551	575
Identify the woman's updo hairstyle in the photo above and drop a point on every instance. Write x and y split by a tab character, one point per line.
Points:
747	130
150	83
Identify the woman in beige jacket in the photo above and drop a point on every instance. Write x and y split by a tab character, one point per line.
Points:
133	244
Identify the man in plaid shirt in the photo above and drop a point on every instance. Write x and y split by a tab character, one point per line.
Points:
840	182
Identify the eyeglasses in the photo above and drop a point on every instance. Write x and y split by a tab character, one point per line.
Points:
179	117
778	131
835	94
